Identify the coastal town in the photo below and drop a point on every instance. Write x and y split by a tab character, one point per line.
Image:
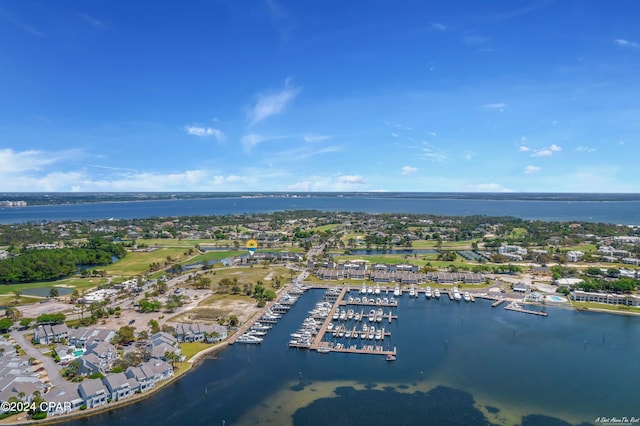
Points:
173	290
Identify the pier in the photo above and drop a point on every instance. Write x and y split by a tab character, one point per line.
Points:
373	349
498	302
517	308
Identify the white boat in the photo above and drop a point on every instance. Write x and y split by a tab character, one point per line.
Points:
396	291
363	290
456	294
365	331
391	357
412	292
324	349
343	315
436	293
330	327
249	338
336	315
377	289
378	335
370	290
372	333
372	315
379	314
466	296
350	314
427	293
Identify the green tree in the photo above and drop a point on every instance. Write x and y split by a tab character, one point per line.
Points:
53	293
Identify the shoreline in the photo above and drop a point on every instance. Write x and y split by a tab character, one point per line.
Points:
193	363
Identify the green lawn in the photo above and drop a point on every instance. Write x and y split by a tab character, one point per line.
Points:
189	349
518	233
138	262
213	255
325	228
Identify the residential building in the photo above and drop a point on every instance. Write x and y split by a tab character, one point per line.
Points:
50	333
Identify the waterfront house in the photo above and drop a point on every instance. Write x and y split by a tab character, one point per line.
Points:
200	332
160	343
93	392
148	374
120	386
50	333
99	357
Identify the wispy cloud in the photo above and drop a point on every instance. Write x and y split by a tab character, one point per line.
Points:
205	132
474	40
312	138
395	135
252	139
281	19
91	20
271	104
407	170
555	148
428	153
626	43
531	169
500	106
351	180
581	148
22	161
438	26
20	24
524	148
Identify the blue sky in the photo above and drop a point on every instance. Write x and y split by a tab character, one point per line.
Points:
528	96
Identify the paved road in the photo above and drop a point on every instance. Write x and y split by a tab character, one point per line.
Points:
53	370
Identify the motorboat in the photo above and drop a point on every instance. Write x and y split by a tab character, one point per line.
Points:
396	291
436	293
427	292
456	294
466	296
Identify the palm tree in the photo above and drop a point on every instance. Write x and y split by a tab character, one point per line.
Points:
17	294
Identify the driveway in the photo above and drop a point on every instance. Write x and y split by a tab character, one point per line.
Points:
53	370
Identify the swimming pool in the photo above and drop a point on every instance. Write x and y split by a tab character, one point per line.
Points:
556	299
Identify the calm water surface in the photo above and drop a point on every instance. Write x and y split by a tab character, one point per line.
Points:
623	212
462	360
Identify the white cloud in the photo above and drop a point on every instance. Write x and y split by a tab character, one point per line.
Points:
490	187
304	186
531	169
581	148
626	43
524	148
205	131
407	170
395	135
351	179
542	153
271	104
438	26
434	134
468	155
310	138
555	148
16	162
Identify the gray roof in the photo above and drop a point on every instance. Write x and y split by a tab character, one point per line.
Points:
116	381
91	387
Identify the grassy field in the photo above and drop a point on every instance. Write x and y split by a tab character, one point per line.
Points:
189	349
10	300
213	255
517	233
251	275
138	262
585	248
325	228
